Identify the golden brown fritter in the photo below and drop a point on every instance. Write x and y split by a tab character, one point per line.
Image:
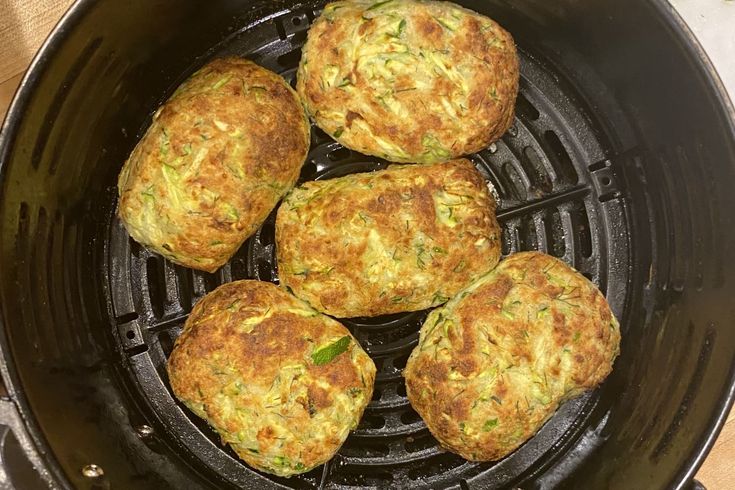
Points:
409	80
219	155
281	383
495	363
402	239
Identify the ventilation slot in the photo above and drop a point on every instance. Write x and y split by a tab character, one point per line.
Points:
563	162
525	110
421	443
436	465
363	479
517	185
582	230
410	417
401	389
507	243
536	172
529	239
555	237
289	59
167	343
400	361
364	448
156	285
371	422
183	278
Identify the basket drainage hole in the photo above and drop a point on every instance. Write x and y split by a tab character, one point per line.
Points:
606	180
296	21
372	422
130	334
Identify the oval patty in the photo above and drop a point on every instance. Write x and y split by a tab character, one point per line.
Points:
217	158
407	80
402	239
282	384
495	363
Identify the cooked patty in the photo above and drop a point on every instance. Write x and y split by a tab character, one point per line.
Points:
408	80
282	384
217	158
495	363
402	239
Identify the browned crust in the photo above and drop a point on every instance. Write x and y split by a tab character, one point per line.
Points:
223	345
219	155
494	364
358	42
376	243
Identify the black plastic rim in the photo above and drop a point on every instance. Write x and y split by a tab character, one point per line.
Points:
67	24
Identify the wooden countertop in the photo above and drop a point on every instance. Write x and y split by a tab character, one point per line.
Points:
24	24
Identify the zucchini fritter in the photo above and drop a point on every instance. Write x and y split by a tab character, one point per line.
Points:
218	156
497	361
408	80
281	383
402	239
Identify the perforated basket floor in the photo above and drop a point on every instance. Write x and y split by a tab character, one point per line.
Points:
557	194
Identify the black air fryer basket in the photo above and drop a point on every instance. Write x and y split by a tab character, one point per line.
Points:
621	161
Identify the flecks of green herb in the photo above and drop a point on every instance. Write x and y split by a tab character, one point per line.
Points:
339	132
221	82
325	354
543	312
362	217
253	450
259	93
378	4
148	193
444	24
346	82
577	335
496	399
401	26
232	213
397	299
187	149
163	148
432	145
489	425
439	298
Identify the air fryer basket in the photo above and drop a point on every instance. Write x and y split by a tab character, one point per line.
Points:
621	161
